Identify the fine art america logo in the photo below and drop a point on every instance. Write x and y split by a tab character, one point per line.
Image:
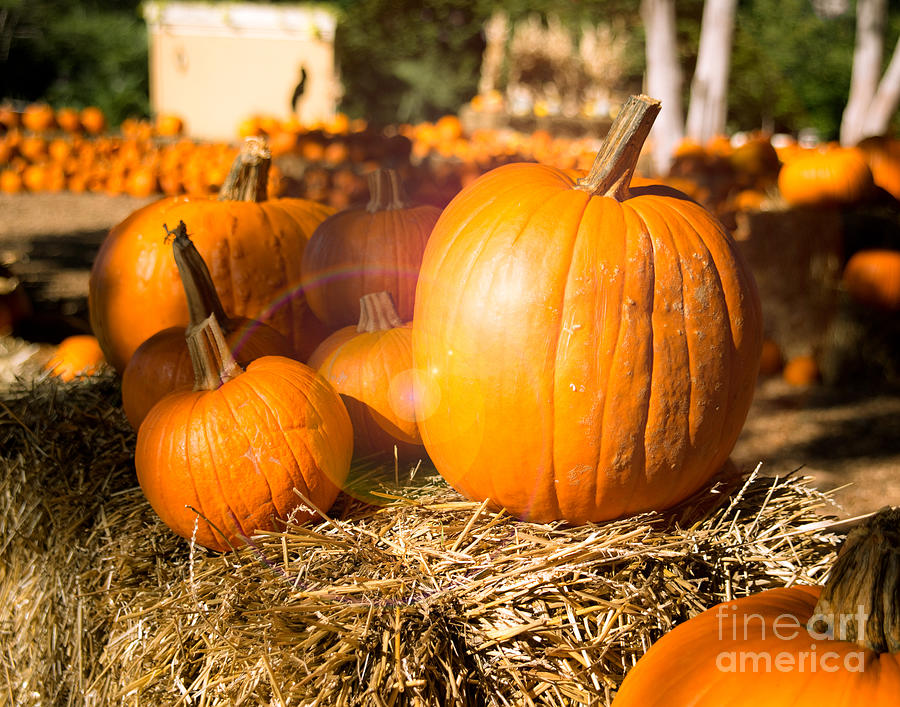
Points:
736	627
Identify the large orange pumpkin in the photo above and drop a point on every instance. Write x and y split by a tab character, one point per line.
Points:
370	249
223	460
370	365
585	349
253	247
831	646
162	363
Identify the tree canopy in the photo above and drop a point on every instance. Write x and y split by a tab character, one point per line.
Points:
406	60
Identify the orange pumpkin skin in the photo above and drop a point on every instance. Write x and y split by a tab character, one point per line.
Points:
836	175
253	250
372	372
235	454
361	250
581	357
162	363
700	662
76	357
872	278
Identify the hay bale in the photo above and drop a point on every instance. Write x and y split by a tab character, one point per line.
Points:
407	594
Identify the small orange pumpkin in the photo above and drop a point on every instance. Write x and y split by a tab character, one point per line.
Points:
162	363
370	366
222	461
372	249
75	357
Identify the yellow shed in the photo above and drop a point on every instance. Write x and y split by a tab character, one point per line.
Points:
216	64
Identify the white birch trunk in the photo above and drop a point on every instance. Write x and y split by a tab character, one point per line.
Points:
709	89
867	56
663	80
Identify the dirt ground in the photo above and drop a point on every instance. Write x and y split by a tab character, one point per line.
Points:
846	440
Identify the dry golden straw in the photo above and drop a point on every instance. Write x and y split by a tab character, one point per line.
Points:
404	594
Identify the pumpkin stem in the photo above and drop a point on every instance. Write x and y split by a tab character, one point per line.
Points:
860	602
202	297
377	313
212	360
385	192
615	163
248	178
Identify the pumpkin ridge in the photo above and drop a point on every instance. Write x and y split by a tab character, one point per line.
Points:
299	390
259	402
689	482
663	231
635	480
229	506
750	312
557	338
201	512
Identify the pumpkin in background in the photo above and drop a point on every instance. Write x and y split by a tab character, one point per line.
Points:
756	163
38	118
872	278
223	460
162	363
831	175
253	247
801	371
76	357
584	349
370	366
883	155
371	249
799	646
93	120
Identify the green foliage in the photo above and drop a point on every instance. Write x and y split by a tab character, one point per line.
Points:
407	60
784	81
412	60
72	53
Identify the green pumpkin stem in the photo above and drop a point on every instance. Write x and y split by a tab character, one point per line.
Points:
199	289
377	313
248	178
615	163
385	192
212	360
865	583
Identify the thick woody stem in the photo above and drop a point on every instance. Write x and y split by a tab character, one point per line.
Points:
249	176
199	289
615	163
210	355
377	313
385	192
861	600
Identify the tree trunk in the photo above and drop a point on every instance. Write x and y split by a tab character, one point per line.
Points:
870	104
709	88
663	79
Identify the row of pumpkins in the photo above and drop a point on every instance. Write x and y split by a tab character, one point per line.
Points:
574	346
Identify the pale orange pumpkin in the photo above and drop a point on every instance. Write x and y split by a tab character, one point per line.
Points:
370	365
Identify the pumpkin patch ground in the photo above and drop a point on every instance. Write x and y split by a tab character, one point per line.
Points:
406	592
